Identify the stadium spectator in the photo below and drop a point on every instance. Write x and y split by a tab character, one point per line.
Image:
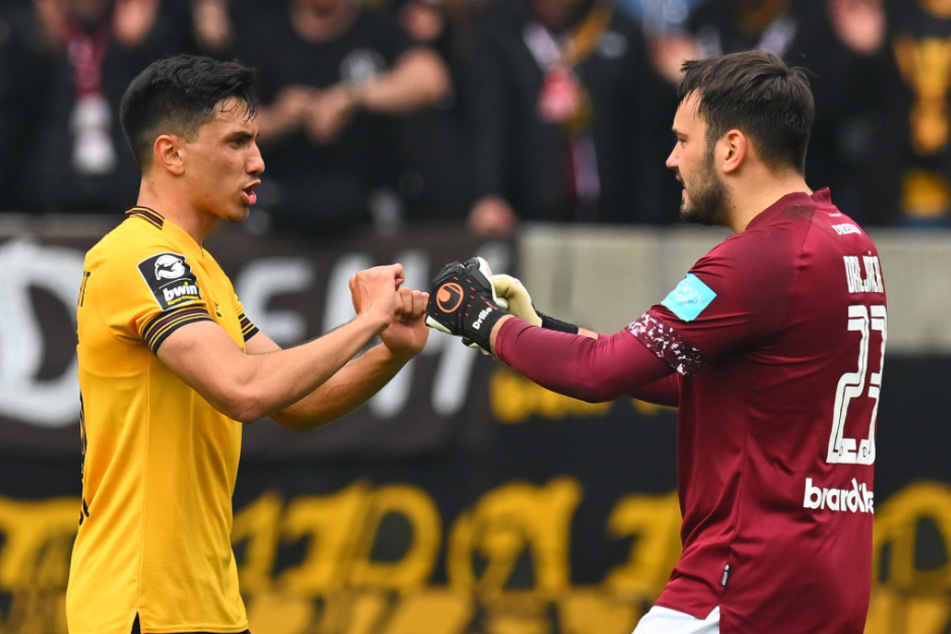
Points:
567	117
213	25
432	141
64	66
910	175
659	15
841	43
335	77
170	366
665	26
444	26
771	347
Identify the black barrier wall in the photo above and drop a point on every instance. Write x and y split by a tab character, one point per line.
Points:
462	500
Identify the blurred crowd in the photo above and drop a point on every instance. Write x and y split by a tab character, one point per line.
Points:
488	113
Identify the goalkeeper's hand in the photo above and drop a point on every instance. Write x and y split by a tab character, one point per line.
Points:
512	295
462	302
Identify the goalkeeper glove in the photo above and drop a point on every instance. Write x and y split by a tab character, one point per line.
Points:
511	294
462	302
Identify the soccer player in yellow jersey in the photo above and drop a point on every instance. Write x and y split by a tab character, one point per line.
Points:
170	367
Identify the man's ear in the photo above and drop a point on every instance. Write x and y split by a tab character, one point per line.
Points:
168	152
732	150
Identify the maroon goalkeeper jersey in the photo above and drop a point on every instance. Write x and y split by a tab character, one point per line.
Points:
779	334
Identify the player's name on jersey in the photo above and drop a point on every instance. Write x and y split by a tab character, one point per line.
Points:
871	281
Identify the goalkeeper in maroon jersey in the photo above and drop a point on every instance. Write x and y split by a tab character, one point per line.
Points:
771	347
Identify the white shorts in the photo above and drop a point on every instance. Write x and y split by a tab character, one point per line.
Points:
666	621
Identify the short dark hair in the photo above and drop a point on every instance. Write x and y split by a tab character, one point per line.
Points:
757	93
178	95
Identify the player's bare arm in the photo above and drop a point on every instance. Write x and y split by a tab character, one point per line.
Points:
361	378
247	387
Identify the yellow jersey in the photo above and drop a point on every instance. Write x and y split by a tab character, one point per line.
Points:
159	462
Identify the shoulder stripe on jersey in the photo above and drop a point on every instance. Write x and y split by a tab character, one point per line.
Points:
149	215
166	323
248	329
667	344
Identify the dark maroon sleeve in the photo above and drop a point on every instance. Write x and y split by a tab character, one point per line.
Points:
593	370
752	274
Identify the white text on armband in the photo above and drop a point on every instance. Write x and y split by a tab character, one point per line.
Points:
871	281
858	499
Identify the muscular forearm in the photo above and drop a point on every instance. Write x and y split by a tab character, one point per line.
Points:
579	366
419	78
310	367
247	387
352	386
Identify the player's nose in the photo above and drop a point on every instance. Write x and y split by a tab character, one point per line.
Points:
672	159
256	161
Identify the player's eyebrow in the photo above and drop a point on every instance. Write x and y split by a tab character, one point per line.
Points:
241	136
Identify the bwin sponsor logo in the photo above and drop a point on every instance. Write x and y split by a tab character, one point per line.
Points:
857	500
185	290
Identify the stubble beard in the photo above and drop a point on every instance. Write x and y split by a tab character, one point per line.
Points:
707	205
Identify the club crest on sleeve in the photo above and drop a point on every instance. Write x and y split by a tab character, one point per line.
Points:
170	279
449	297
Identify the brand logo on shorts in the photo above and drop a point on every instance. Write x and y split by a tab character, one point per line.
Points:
449	297
170	279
